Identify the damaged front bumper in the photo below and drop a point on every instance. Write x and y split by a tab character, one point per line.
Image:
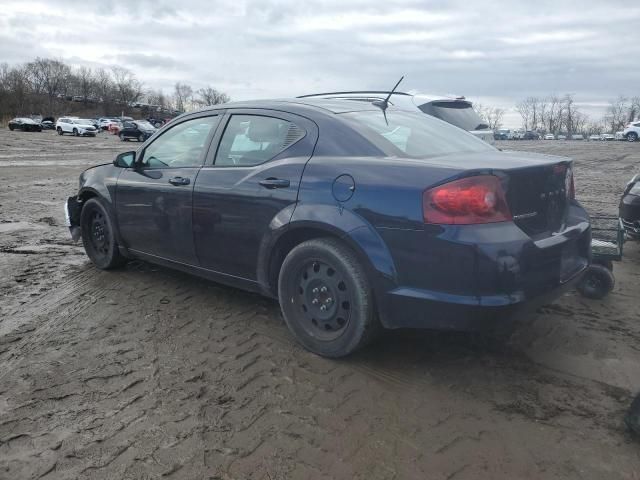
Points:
72	217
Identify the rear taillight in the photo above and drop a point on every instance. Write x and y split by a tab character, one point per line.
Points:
471	200
570	185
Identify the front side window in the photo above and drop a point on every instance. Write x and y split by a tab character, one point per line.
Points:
181	146
253	139
408	134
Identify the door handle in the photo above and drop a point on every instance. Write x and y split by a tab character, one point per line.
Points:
272	183
179	181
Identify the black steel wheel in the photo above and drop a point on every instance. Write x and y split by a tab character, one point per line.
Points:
632	136
60	132
326	299
75	132
98	235
598	281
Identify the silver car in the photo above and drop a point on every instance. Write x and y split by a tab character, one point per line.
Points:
454	110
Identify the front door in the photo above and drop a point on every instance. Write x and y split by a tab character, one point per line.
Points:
252	181
154	199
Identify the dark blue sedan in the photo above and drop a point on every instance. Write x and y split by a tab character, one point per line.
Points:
356	217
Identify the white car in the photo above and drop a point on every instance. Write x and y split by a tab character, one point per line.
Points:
562	137
105	123
577	136
517	135
594	137
619	135
76	126
549	136
605	137
632	131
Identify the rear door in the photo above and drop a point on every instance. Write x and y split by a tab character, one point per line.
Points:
154	199
252	179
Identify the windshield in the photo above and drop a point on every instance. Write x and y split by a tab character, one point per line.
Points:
413	134
460	114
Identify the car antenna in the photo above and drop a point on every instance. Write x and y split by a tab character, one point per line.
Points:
383	104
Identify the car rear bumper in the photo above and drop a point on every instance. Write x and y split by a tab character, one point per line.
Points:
471	277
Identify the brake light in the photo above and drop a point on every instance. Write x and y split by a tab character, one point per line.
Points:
570	184
471	200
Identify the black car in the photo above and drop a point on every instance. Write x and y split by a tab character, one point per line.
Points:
356	216
138	129
24	124
630	208
530	135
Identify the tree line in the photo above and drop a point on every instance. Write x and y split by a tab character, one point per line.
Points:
44	86
560	114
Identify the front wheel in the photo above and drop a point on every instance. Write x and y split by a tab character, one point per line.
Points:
60	132
11	127
141	138
326	298
98	235
75	132
632	136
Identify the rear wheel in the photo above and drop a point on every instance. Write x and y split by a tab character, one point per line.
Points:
98	235
598	281
632	136
60	132
326	298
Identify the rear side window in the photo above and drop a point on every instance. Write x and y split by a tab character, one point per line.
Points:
408	134
254	139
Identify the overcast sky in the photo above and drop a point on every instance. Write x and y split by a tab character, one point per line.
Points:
492	52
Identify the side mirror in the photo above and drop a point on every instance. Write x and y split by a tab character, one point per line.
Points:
125	160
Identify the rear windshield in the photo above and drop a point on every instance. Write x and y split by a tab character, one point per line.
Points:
416	135
460	114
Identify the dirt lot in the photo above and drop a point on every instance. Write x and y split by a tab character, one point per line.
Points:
148	373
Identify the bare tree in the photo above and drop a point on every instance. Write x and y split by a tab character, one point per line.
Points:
127	87
183	95
491	115
48	76
524	108
210	96
617	113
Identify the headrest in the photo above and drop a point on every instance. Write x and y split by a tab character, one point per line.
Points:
264	131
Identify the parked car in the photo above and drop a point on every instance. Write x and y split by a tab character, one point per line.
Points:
631	131
156	122
595	136
138	129
577	136
561	137
25	124
454	110
48	125
502	134
531	135
630	208
76	126
354	216
549	136
607	137
620	135
77	98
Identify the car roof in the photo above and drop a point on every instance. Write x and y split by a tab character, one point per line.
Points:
299	105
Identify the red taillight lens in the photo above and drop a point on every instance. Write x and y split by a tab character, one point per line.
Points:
467	201
570	186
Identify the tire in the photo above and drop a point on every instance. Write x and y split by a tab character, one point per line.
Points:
60	132
597	282
326	298
75	132
141	138
157	124
122	137
98	235
632	136
11	127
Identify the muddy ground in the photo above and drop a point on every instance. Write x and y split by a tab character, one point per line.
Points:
148	373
